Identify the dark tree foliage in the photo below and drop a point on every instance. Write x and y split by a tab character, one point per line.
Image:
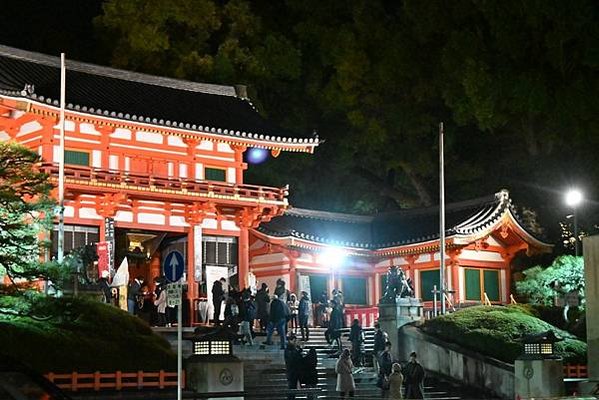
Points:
26	213
514	82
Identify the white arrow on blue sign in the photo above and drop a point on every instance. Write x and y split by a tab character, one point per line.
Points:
173	266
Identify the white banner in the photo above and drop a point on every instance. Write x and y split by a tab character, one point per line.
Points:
214	273
304	286
197	253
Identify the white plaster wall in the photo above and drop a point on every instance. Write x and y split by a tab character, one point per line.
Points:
96	159
199	171
29	127
231	178
68	126
268	258
176	220
183	170
224	148
113	162
146	218
69	211
88	129
480	255
206	145
124	216
210	223
175	141
229	225
149	137
88	213
120	133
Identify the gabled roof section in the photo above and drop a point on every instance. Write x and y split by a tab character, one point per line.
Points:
147	99
406	227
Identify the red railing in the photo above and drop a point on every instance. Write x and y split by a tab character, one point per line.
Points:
575	371
366	315
116	380
118	177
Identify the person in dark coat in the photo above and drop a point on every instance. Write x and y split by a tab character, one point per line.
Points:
380	338
133	295
304	315
262	302
333	332
218	294
309	375
293	364
277	320
356	337
414	374
105	288
322	309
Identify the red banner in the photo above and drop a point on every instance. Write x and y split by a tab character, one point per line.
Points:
102	250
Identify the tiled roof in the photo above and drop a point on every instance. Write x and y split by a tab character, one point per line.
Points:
125	95
390	229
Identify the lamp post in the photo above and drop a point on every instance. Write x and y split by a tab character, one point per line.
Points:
573	199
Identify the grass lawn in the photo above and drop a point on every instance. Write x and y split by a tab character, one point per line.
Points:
493	331
91	337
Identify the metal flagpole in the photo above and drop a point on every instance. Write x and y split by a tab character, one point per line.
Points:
442	287
61	161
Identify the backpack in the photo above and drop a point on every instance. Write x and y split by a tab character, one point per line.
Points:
250	311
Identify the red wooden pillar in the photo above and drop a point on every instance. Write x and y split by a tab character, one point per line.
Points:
244	257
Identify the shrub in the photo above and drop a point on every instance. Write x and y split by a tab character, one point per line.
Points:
493	331
88	336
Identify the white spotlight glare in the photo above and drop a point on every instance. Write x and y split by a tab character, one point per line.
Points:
573	198
332	256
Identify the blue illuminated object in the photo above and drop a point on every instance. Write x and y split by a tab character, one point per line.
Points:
256	155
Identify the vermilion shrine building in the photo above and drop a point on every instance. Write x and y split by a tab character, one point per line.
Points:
155	164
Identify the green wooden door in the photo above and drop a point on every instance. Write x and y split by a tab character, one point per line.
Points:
428	279
491	283
355	290
473	284
318	284
76	157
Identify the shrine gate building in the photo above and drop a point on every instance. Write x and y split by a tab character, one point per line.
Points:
154	164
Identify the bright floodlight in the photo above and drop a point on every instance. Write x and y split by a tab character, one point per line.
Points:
573	197
333	257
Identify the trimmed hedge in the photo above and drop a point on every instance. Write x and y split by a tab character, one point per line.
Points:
493	331
90	336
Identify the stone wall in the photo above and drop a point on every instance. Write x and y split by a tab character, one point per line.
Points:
464	366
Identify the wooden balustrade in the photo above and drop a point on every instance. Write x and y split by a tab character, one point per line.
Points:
118	177
115	381
575	371
366	315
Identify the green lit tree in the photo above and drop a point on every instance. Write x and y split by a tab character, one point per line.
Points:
26	212
542	285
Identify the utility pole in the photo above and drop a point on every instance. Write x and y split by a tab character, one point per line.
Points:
61	161
442	287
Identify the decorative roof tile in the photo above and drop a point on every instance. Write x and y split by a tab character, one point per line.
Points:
390	229
132	96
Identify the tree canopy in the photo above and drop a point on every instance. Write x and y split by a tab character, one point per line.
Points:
26	212
514	82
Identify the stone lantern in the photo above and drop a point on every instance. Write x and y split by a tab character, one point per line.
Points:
539	372
212	367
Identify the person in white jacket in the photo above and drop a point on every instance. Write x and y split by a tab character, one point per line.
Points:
160	303
345	379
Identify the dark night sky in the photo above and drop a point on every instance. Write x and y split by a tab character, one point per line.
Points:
67	26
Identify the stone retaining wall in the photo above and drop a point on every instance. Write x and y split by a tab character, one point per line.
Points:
471	369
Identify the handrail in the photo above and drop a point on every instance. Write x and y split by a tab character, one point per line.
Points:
486	302
119	177
448	300
117	380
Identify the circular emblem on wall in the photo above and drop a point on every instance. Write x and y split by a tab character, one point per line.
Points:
528	372
225	377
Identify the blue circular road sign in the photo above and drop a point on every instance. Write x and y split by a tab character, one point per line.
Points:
173	266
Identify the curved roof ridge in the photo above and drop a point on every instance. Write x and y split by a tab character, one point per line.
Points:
328	215
94	69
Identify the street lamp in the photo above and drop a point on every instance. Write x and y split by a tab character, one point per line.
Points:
573	199
333	257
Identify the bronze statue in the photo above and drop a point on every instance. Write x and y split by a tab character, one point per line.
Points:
397	286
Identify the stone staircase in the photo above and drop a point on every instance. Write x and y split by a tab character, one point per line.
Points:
268	380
